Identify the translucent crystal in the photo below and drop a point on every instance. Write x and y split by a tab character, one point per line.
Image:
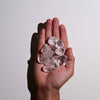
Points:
62	60
42	58
50	53
59	44
55	60
55	66
55	57
52	40
45	49
50	62
53	47
60	51
47	69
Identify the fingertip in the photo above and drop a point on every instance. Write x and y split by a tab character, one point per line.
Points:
70	49
48	32
61	25
55	22
49	21
55	19
55	27
62	28
42	31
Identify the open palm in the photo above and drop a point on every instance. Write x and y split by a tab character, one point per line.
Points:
58	77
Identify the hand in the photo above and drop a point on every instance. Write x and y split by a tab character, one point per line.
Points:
53	81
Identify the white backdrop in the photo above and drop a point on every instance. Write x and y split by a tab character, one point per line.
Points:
19	20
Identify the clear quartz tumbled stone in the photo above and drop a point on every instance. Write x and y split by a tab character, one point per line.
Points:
55	60
53	47
45	49
60	51
42	58
59	44
50	62
52	40
50	53
56	65
62	60
47	69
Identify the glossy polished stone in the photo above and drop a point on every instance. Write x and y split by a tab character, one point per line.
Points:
59	44
47	69
42	58
62	60
60	51
52	40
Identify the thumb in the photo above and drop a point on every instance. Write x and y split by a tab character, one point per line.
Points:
70	61
69	54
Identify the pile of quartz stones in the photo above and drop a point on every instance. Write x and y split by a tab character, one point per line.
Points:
52	55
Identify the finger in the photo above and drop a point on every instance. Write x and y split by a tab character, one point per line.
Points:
70	61
55	30
48	28
63	35
41	39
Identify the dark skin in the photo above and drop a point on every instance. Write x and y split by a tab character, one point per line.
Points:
48	84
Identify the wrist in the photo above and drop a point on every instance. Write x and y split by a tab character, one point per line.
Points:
45	94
